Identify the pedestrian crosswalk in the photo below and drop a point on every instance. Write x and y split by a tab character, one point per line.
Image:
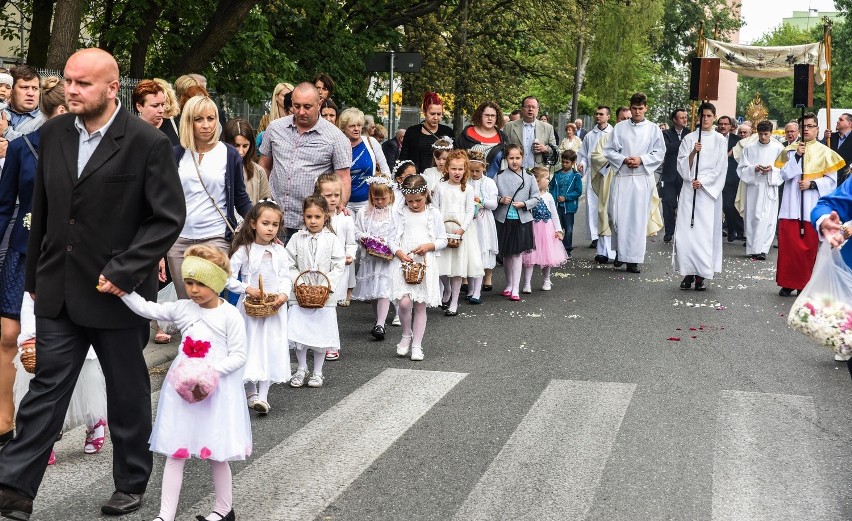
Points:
766	451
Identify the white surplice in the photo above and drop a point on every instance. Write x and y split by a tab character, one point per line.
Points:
590	141
698	247
632	188
761	194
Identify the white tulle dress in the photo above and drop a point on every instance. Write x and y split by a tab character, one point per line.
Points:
217	427
412	230
88	401
374	274
267	358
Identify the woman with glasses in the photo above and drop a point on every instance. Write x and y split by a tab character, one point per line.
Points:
485	135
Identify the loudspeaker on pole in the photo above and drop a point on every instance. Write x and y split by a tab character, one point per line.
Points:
803	85
704	79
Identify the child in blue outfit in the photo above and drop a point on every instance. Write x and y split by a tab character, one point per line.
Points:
566	187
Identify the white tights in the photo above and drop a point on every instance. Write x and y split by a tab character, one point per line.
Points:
173	480
528	273
418	328
381	306
302	358
512	266
452	288
474	287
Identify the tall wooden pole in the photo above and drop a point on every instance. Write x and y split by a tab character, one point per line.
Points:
699	52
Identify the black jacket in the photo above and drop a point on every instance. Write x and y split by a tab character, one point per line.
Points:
672	140
118	219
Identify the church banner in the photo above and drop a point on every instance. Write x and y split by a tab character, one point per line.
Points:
768	62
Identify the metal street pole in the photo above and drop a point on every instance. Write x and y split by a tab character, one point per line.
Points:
391	111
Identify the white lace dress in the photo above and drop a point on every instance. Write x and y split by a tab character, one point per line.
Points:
457	205
486	229
374	274
268	359
412	230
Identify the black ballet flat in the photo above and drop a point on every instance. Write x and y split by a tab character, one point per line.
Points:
687	281
487	287
445	305
229	517
449	313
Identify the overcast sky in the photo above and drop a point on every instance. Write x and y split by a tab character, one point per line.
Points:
761	16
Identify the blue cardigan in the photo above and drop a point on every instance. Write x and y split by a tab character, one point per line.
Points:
235	186
16	187
840	201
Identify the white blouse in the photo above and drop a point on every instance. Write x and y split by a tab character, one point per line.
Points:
202	219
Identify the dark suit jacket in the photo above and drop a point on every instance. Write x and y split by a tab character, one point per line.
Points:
672	140
119	218
391	149
732	180
16	187
845	151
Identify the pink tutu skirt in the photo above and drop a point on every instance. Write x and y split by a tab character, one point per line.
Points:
549	250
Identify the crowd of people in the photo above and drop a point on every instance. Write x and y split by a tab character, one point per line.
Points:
313	210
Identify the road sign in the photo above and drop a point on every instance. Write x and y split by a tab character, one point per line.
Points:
402	62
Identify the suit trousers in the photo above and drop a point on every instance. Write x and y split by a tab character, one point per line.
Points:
733	220
670	193
61	347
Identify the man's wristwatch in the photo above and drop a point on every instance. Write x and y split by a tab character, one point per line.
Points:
813	186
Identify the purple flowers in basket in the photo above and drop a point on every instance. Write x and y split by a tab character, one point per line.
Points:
377	247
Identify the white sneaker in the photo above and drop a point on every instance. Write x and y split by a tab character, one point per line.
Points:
547	286
315	380
527	290
417	354
842	358
396	321
403	345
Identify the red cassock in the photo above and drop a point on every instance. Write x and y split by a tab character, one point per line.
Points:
796	254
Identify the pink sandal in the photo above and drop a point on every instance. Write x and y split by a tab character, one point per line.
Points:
52	459
94	445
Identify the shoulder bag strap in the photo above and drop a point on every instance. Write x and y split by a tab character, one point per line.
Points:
212	201
29	144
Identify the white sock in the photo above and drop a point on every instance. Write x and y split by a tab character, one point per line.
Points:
251	388
319	359
263	390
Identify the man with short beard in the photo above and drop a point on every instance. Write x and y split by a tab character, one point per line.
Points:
107	205
23	115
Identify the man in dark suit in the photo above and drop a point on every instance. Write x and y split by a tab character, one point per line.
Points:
392	146
841	144
670	179
733	219
107	205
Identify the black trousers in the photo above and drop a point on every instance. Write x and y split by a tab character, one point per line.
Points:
61	347
733	220
669	195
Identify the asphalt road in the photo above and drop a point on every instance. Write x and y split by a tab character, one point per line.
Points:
572	404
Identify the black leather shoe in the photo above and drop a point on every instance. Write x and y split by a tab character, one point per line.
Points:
487	287
229	517
699	284
601	259
687	281
378	333
122	503
785	292
14	505
463	288
632	267
445	305
617	263
450	313
667	238
594	244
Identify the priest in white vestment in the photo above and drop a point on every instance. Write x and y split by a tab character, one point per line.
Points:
584	166
762	178
601	175
698	244
635	150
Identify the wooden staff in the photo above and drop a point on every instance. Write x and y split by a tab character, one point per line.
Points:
802	192
694	191
826	35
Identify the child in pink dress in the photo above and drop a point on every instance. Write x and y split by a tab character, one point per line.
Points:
547	232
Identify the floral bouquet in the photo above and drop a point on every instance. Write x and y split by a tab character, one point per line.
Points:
377	248
823	310
193	378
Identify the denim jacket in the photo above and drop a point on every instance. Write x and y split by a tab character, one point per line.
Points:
568	185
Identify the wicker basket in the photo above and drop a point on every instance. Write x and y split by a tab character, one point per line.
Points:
312	295
453	239
372	249
263	306
413	272
28	355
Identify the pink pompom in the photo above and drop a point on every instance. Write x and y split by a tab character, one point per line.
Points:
205	453
193	379
181	454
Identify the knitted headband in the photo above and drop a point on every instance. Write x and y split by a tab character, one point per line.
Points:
205	272
6	78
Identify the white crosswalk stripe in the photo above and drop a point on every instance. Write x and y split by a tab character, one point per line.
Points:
297	480
555	458
766	462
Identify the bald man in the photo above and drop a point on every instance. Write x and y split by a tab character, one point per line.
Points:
107	205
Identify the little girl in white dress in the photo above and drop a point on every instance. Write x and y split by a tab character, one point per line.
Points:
418	235
311	253
217	427
256	257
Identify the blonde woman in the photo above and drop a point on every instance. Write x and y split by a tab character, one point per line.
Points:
211	174
367	156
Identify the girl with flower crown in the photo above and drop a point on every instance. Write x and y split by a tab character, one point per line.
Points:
202	410
440	152
373	226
